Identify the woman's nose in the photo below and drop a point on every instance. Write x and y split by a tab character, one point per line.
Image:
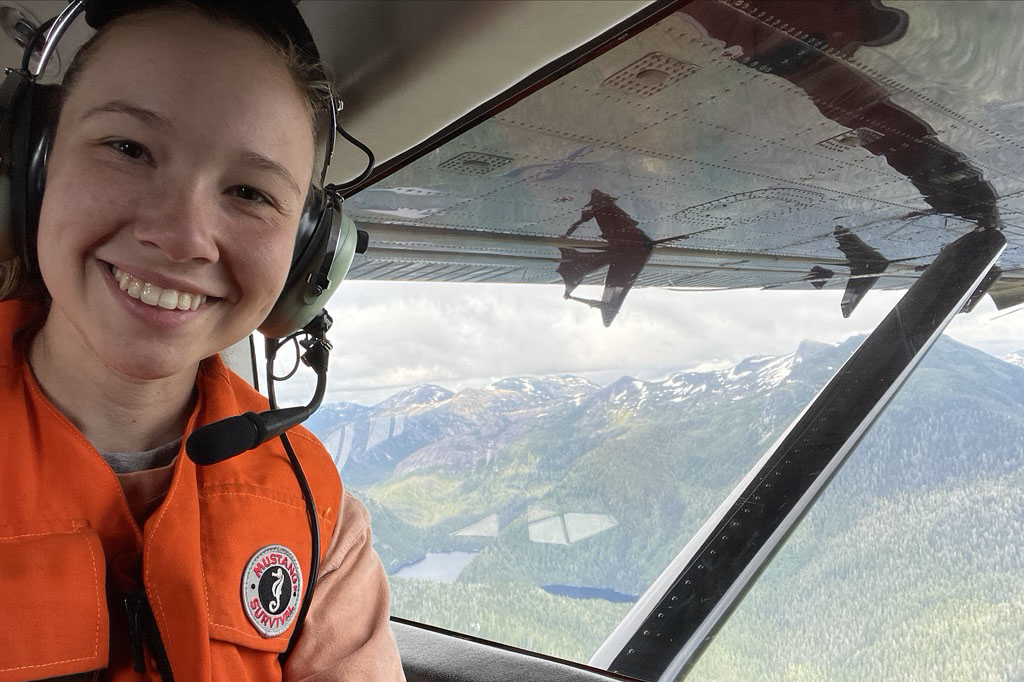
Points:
183	225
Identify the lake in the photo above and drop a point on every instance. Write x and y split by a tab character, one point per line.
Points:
581	592
440	566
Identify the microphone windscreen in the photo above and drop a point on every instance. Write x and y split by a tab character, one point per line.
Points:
222	440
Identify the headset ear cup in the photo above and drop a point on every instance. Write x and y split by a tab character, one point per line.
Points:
12	92
46	106
33	137
316	271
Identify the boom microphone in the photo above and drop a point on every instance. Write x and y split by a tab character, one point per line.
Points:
229	437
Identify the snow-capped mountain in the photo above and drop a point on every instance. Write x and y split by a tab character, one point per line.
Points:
428	425
1015	358
415	399
546	388
754	375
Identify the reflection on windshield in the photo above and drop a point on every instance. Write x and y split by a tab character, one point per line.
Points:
627	251
565	529
947	181
721	149
485	528
866	266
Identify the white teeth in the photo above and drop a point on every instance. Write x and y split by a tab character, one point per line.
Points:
168	299
151	294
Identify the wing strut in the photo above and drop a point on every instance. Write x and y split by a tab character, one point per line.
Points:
680	613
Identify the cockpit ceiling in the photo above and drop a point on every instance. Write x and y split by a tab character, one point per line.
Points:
732	144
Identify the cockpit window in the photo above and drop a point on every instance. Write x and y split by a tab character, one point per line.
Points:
536	472
585	320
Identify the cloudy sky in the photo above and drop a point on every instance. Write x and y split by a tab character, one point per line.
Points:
389	335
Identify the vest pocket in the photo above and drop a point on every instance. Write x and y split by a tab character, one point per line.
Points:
238	522
52	578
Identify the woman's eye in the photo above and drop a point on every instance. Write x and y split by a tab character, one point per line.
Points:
132	150
248	193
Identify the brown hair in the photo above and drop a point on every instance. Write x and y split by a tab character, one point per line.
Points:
309	75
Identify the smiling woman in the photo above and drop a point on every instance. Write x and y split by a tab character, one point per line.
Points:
178	177
140	150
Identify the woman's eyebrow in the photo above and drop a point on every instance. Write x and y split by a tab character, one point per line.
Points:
119	106
261	162
251	158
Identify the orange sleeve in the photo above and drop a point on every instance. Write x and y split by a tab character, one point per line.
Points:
347	636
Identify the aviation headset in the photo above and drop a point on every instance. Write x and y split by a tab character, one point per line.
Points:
326	240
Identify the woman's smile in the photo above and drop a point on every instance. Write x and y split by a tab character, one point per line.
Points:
154	295
126	292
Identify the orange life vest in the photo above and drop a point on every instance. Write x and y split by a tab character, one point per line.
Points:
70	550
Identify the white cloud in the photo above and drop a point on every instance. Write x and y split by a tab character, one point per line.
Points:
388	335
996	332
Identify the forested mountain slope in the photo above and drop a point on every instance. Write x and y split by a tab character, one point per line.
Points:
919	540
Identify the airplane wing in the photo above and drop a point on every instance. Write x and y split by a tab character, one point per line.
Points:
848	164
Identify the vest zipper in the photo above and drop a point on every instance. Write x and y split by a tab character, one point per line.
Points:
132	607
141	623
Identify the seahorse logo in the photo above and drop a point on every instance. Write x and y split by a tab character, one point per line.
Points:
274	605
271	589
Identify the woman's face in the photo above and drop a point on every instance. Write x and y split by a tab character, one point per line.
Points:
179	170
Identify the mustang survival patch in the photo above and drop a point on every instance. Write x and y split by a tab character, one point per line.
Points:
272	589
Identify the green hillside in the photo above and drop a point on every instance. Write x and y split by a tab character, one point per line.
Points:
922	586
909	567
